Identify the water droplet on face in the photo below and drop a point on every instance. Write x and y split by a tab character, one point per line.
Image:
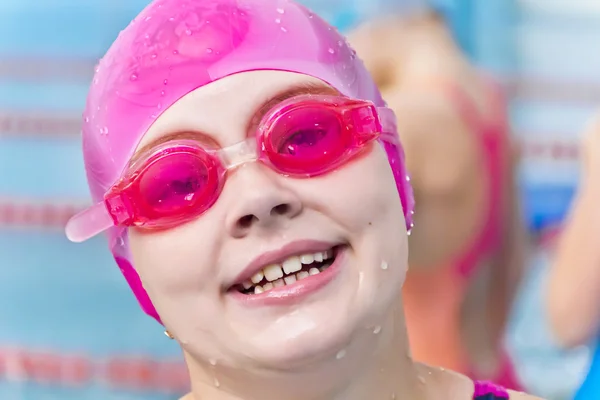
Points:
377	329
277	20
217	383
104	131
341	354
133	77
209	50
340	43
331	51
384	265
212	362
280	10
283	29
422	379
393	396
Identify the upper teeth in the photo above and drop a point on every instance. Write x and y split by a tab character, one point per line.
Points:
291	265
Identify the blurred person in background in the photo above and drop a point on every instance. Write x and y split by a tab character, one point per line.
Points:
468	247
573	289
253	188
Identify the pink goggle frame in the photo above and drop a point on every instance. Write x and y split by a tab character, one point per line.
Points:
176	182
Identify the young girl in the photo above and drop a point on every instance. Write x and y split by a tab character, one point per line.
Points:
253	189
467	248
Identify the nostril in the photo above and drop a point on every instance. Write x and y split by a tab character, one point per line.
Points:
246	221
281	209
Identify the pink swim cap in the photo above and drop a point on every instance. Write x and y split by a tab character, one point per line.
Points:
176	46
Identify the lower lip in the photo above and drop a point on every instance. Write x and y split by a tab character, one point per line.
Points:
290	294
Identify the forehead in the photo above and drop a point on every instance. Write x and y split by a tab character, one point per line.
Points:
229	103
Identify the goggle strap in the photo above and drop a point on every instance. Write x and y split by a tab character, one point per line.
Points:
88	223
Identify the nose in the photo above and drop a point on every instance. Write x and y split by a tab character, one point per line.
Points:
259	201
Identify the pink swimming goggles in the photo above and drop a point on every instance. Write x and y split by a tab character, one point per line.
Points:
174	183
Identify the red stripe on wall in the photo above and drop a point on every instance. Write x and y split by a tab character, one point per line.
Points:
70	370
29	214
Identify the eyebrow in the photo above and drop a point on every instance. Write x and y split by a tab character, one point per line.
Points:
292	91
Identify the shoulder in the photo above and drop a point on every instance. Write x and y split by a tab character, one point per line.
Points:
522	396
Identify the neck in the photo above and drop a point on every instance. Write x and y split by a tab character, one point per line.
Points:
375	365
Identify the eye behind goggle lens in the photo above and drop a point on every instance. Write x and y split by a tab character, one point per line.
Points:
308	139
175	183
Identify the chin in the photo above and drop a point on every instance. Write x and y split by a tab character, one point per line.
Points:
313	332
305	351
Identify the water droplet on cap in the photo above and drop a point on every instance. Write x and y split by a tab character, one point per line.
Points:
341	354
162	93
277	20
165	82
340	43
283	29
153	56
87	119
104	130
280	10
120	242
133	77
377	329
331	51
188	32
209	50
175	52
311	15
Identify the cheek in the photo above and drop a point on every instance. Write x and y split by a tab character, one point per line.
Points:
174	267
362	195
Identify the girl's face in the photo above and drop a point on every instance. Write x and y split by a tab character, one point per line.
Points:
280	270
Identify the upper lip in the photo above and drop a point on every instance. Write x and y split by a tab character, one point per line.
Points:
278	256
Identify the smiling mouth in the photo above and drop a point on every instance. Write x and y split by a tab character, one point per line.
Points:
288	272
